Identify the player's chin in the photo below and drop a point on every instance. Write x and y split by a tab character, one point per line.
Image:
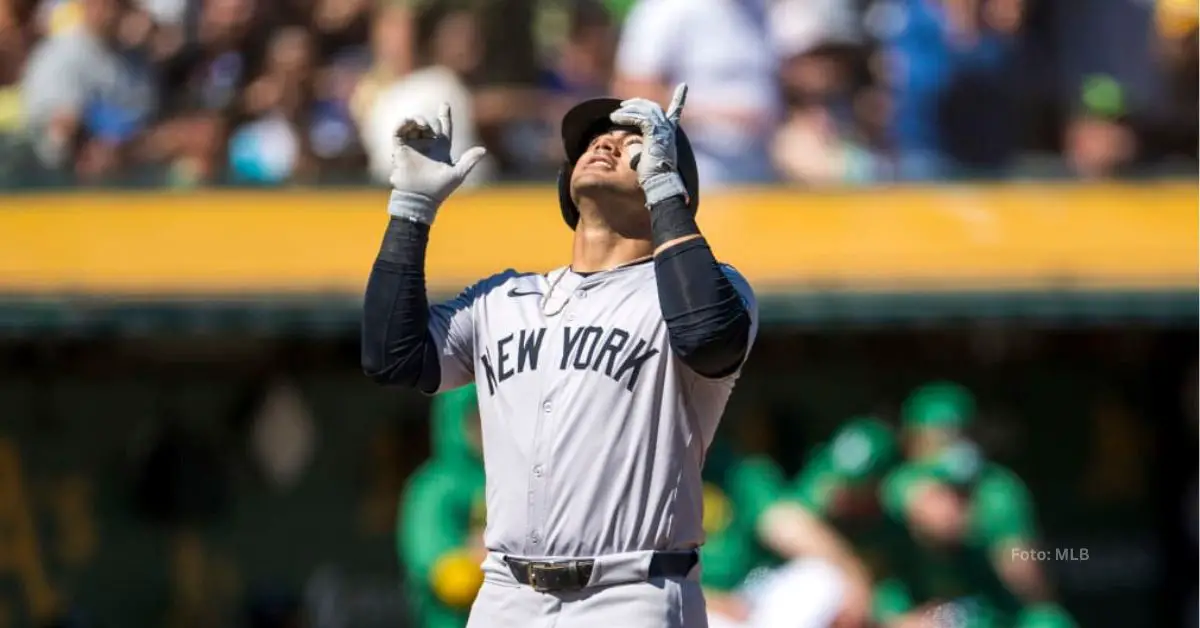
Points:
603	183
593	178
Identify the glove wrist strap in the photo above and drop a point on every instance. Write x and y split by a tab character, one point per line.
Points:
412	206
659	187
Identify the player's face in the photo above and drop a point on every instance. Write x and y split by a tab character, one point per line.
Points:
927	442
938	513
606	165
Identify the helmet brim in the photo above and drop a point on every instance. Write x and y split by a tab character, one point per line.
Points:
584	122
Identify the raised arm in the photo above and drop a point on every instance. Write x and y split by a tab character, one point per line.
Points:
404	341
708	308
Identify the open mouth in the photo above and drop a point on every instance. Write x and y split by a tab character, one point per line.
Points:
600	161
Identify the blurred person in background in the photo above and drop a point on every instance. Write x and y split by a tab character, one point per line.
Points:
1116	64
507	102
1177	23
203	78
16	39
498	62
580	69
87	97
274	145
935	420
341	31
831	520
949	68
738	489
333	134
17	34
583	66
52	17
450	53
339	27
820	44
1099	142
1120	116
393	55
968	520
720	49
163	25
440	531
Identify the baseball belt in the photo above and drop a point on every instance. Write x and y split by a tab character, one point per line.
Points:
572	575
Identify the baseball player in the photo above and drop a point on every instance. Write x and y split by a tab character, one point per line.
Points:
833	523
601	383
439	536
968	519
737	490
935	419
965	516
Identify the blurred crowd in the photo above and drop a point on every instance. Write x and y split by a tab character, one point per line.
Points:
904	524
817	92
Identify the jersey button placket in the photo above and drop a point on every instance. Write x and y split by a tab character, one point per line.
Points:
538	474
537	488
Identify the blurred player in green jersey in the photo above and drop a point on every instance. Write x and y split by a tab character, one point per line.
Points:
968	522
833	518
441	518
768	561
738	489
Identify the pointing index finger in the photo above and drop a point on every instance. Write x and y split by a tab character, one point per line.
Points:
675	111
445	121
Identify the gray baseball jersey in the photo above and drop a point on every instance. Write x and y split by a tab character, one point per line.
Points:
594	433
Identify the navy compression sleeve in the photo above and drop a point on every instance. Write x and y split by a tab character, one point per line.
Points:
707	322
397	347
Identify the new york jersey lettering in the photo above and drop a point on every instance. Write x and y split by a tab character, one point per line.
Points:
529	347
592	348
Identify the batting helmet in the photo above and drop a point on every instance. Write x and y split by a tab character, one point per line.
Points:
591	118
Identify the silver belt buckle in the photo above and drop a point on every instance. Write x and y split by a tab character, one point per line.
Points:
546	569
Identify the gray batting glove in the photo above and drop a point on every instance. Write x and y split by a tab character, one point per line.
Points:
657	167
423	174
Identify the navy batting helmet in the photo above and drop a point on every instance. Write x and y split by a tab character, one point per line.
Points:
591	118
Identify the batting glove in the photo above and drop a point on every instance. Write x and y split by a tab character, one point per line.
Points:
656	165
423	174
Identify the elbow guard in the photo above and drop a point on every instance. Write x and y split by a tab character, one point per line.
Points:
710	350
708	323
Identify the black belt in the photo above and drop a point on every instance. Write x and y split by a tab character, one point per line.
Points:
571	575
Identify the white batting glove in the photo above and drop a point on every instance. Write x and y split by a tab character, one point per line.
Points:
423	174
657	167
